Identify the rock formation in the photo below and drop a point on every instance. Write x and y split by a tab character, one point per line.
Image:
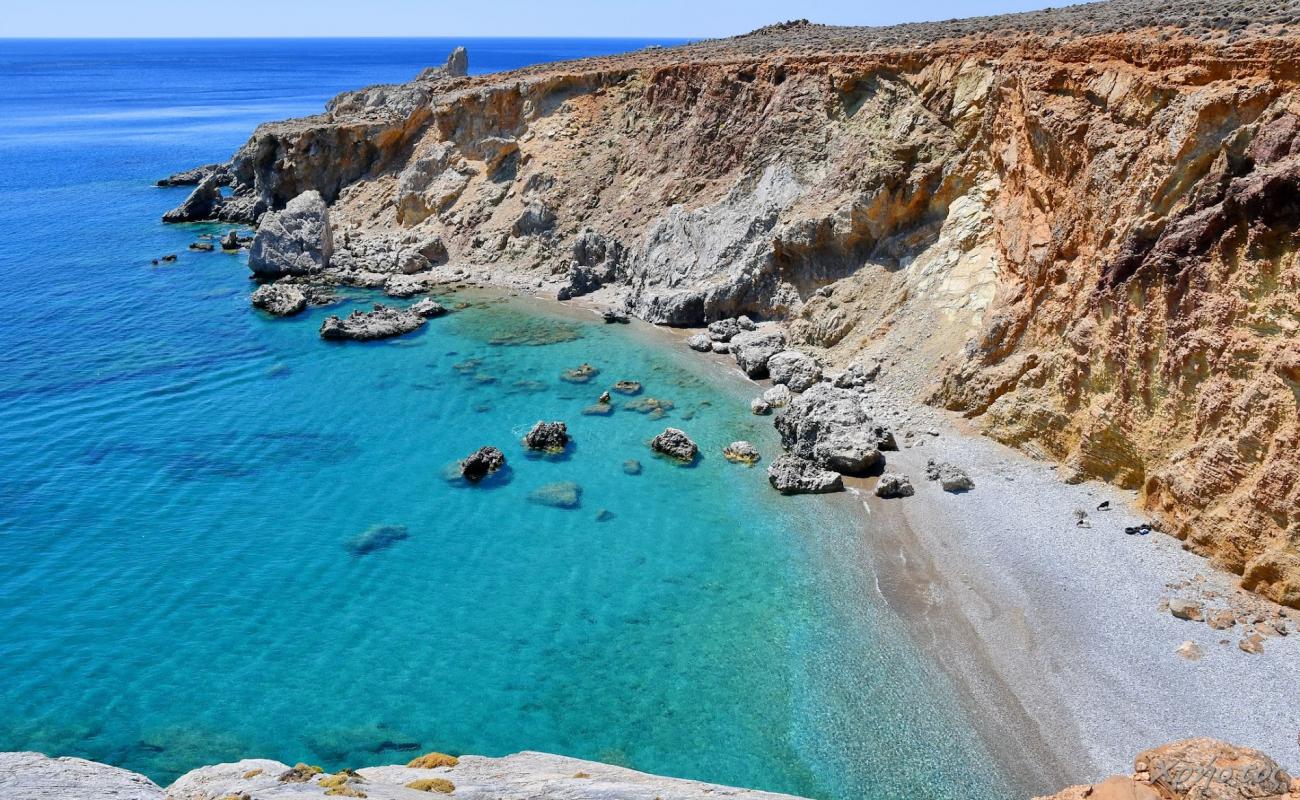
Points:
382	323
481	463
295	241
280	299
1076	227
676	444
551	437
791	474
831	427
522	776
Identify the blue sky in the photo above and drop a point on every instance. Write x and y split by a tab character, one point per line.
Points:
650	18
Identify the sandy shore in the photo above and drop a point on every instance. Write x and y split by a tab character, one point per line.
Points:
1055	634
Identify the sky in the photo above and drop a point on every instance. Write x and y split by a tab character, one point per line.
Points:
636	18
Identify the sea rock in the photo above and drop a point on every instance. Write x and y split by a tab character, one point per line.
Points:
723	329
561	494
700	342
382	323
778	396
202	203
33	776
760	407
721	348
628	387
791	474
741	452
376	538
794	369
830	427
428	308
552	437
195	176
203	247
481	463
892	484
675	444
615	315
632	467
752	349
583	373
280	299
295	241
231	241
949	477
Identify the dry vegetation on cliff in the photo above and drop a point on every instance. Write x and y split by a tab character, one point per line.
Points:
1076	226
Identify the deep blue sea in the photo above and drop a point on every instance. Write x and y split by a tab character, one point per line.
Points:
185	481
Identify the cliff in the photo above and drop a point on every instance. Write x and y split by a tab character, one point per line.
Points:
1076	227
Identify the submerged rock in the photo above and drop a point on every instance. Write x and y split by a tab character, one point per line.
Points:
675	444
551	437
580	374
632	467
791	474
561	494
282	300
481	463
892	484
753	349
949	477
628	387
381	323
374	539
741	452
295	241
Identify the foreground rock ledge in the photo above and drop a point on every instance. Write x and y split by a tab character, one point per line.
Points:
522	776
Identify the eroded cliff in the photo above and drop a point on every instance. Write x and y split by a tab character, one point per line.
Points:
1076	227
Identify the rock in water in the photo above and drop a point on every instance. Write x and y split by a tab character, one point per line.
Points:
741	452
282	300
428	308
759	407
794	369
632	467
551	437
830	427
202	203
562	494
379	537
382	323
700	342
676	444
583	373
629	388
753	349
295	241
230	241
778	396
791	474
949	477
481	463
892	484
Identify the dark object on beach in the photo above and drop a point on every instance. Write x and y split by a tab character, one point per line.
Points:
376	538
949	477
1104	505
551	437
675	444
481	463
1139	530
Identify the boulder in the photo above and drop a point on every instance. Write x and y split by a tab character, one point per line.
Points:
583	373
457	65
428	308
615	315
791	474
481	463
723	330
830	427
752	349
551	437
721	348
561	494
202	203
778	396
1186	609
381	323
1208	769
295	241
33	776
675	444
759	407
741	452
794	369
745	323
195	176
892	484
700	342
231	241
859	374
280	299
949	477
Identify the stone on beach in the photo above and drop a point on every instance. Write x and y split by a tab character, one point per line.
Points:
752	349
381	323
280	299
949	477
295	241
723	330
791	474
892	485
1186	609
778	396
675	444
481	463
759	407
700	342
794	369
830	427
552	437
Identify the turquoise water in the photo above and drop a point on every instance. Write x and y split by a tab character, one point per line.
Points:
181	580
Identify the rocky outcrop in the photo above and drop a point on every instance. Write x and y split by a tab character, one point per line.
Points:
551	437
1194	769
384	322
1073	230
791	474
675	444
196	175
831	428
794	369
741	452
481	463
753	349
203	203
295	241
522	776
280	299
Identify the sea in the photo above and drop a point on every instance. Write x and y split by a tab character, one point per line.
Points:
222	537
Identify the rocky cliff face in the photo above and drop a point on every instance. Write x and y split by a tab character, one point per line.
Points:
1077	227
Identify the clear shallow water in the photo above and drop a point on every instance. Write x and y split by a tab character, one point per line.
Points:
185	482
